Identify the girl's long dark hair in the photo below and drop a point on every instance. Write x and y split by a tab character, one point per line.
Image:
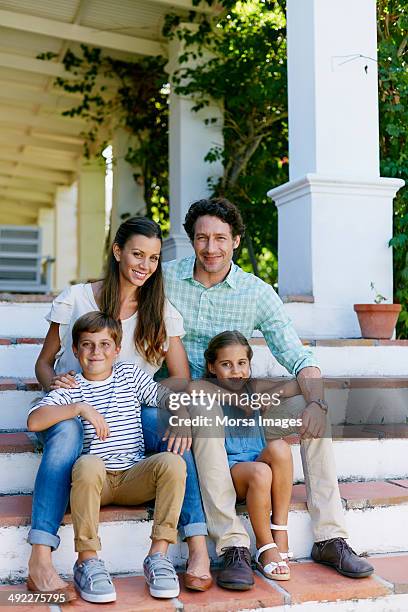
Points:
226	338
150	332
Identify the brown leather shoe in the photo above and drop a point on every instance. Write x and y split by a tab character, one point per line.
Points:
338	554
65	594
236	573
197	583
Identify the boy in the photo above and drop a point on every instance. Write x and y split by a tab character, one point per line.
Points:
112	468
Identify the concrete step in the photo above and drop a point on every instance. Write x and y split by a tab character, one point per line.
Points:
319	585
19	462
343	358
24	318
352	400
375	516
361	454
311	587
16	398
18	355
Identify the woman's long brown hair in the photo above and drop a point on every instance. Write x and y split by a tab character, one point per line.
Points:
150	332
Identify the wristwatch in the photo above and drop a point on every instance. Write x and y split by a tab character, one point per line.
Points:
321	403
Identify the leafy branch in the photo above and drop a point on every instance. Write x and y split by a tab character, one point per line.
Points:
129	95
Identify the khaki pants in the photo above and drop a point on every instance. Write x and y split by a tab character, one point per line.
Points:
319	468
161	477
218	493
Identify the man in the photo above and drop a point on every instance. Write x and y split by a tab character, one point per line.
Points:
213	295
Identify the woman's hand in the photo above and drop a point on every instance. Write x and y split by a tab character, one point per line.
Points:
89	413
64	381
178	437
177	442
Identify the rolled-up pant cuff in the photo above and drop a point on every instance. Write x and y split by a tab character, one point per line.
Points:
164	533
194	529
339	533
37	536
92	544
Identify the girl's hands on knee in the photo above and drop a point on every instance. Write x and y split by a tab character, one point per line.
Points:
64	381
89	413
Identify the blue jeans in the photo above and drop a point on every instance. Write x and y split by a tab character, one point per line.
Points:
192	518
62	445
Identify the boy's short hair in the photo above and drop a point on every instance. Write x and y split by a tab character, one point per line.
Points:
96	321
215	207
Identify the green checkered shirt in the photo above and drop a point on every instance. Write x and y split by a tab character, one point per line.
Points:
240	302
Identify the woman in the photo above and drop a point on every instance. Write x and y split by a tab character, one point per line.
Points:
132	291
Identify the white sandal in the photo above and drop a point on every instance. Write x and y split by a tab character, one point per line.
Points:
286	556
268	569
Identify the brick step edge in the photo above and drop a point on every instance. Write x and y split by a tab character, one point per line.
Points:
19	384
258	341
368	382
15	510
23	442
309	582
10	340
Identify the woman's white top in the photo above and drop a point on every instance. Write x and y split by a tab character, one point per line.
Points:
77	300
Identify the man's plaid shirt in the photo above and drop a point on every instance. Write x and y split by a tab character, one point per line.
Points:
240	302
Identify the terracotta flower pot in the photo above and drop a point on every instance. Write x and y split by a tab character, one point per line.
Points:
377	320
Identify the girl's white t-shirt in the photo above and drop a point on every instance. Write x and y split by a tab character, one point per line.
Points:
77	300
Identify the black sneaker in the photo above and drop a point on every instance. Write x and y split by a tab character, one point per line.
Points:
338	554
236	573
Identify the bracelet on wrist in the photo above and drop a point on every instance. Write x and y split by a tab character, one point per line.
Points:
321	403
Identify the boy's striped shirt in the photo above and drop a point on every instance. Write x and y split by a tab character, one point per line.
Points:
118	399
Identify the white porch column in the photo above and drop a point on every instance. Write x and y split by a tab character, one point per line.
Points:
127	195
46	220
335	213
91	220
66	244
190	139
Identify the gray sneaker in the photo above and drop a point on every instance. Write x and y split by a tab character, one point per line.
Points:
161	576
92	581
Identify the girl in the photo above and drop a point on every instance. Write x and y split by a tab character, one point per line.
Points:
132	291
262	472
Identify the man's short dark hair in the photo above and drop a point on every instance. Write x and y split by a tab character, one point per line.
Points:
96	321
215	207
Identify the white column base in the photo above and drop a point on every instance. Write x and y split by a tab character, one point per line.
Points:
333	242
176	246
323	321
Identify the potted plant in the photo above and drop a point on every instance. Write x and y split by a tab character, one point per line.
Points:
377	320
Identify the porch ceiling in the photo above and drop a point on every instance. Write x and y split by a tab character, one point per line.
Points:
40	149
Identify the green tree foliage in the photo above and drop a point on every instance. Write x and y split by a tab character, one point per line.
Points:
238	59
393	87
130	95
